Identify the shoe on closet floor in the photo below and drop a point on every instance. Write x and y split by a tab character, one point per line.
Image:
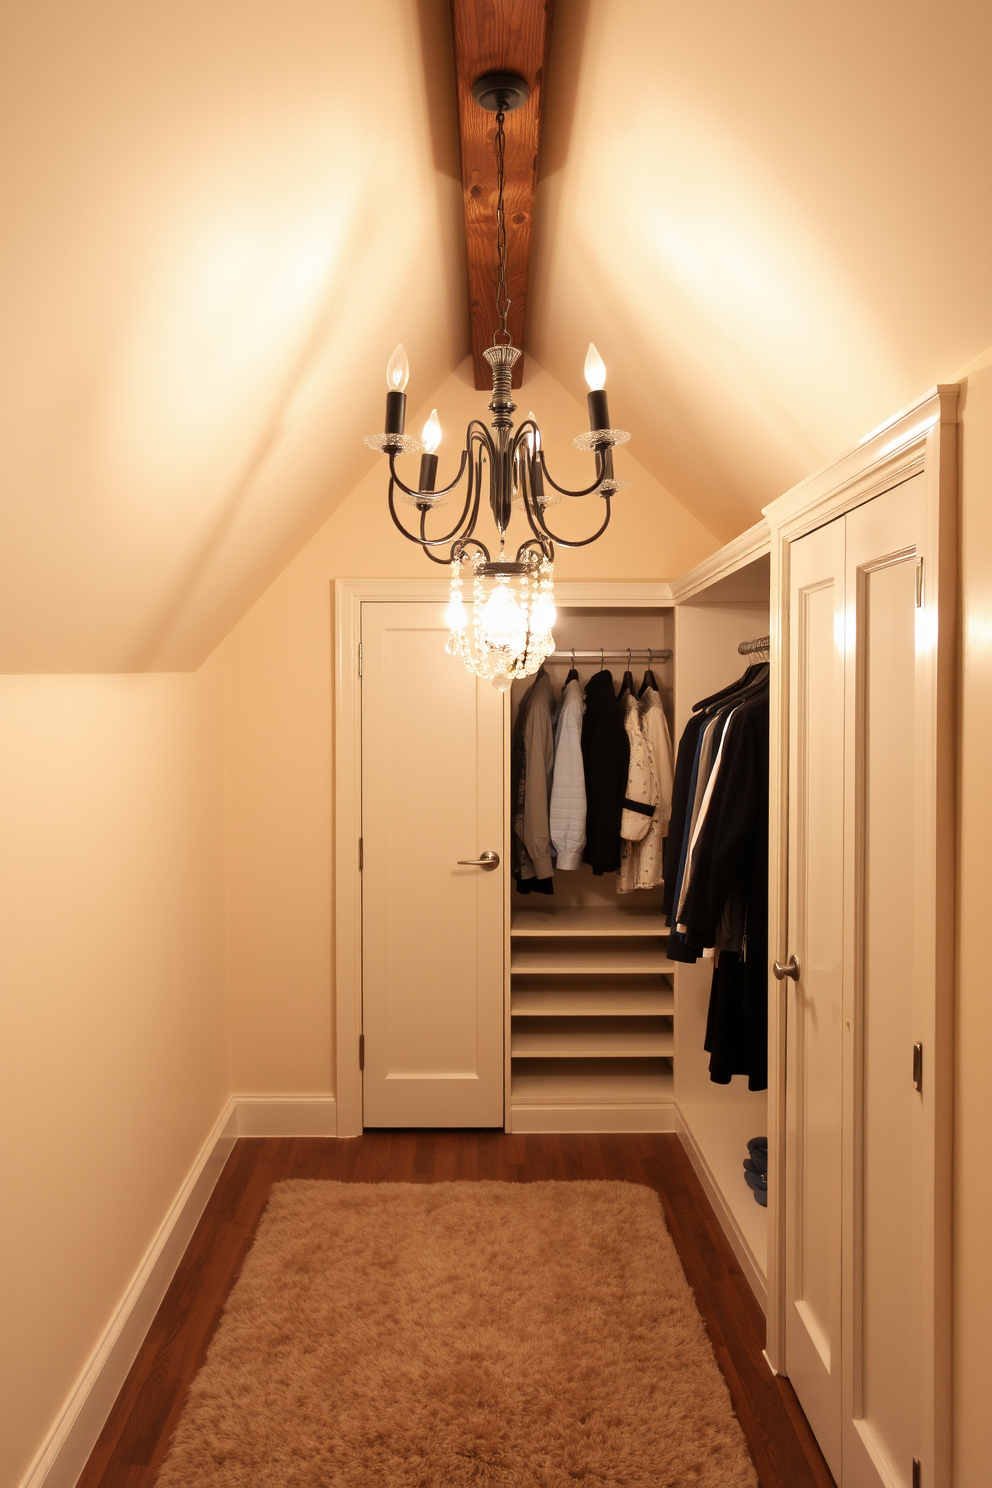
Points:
758	1184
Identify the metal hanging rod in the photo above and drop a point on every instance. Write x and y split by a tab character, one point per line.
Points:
748	648
633	654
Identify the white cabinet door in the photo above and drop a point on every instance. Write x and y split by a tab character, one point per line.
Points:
432	931
856	1210
814	1083
882	1286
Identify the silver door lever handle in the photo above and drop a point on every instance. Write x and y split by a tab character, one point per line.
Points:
489	859
790	969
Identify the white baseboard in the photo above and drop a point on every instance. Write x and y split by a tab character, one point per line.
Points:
591	1118
66	1450
64	1454
738	1241
287	1116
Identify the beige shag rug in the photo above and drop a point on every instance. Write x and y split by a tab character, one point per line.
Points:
525	1335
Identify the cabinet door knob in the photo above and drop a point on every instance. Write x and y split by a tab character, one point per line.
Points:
790	969
489	859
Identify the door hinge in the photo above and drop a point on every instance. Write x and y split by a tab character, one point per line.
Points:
359	658
918	1066
919	583
361	1051
917	1473
361	853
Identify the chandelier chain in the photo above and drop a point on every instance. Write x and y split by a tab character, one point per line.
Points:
502	297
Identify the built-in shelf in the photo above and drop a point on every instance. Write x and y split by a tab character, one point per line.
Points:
578	1038
592	957
720	1134
561	997
565	919
591	1081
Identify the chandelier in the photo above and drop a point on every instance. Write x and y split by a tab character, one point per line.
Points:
509	632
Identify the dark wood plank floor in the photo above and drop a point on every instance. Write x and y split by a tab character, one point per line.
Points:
135	1438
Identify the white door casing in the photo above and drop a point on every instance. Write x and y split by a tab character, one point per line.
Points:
432	931
816	922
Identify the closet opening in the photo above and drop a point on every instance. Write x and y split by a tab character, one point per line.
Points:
590	999
721	631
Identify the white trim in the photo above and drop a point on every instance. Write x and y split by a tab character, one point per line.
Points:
747	548
893	453
724	1214
286	1116
349	596
67	1448
592	1118
64	1453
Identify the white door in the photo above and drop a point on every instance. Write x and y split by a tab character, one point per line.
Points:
432	930
856	1210
814	1081
883	1131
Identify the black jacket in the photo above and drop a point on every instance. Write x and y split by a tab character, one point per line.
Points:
732	856
606	758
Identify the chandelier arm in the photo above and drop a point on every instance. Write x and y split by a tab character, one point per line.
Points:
563	490
563	542
540	544
464	543
444	562
444	489
520	437
464	523
396	521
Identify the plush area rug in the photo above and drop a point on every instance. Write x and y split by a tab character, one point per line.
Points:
521	1335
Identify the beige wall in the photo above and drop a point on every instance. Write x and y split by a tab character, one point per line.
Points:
112	1061
278	676
973	1104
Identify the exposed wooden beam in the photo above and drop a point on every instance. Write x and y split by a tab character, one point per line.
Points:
499	36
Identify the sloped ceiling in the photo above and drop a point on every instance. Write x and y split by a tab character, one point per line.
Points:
220	215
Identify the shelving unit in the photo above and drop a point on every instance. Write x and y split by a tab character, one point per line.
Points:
591	1002
718	605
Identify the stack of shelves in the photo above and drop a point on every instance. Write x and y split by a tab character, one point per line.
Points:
591	1016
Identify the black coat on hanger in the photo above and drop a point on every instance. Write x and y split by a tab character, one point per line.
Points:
606	758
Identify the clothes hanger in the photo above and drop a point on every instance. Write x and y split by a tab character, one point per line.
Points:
627	681
649	678
744	692
573	675
732	687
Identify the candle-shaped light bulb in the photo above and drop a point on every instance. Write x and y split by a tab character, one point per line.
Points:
430	438
397	377
599	412
595	369
536	472
398	371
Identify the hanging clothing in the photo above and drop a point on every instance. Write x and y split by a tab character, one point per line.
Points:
605	758
654	725
641	801
531	768
568	790
720	894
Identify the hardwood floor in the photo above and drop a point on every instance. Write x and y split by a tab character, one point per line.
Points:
136	1436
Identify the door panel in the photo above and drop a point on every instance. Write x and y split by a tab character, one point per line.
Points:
816	930
432	932
881	1283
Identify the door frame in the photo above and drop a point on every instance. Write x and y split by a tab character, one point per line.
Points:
348	597
921	439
